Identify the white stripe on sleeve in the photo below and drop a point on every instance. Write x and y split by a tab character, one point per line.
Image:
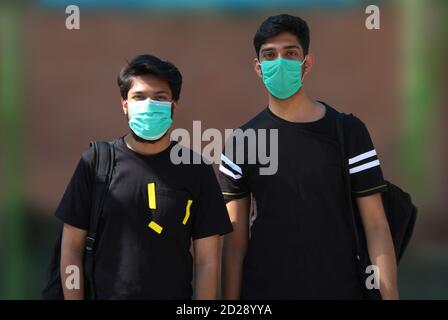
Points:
365	166
231	164
362	156
229	173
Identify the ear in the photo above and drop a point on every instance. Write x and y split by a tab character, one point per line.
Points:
174	105
308	65
257	67
124	106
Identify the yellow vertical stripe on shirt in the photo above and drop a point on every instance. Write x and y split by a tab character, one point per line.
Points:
187	212
152	195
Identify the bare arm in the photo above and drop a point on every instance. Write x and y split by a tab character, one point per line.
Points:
206	253
380	244
235	246
72	253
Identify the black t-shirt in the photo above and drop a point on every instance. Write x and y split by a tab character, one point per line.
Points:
152	211
301	243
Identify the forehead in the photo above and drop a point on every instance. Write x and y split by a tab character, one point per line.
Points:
149	83
280	41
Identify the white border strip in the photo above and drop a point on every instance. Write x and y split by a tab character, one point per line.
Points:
228	172
365	166
362	156
231	164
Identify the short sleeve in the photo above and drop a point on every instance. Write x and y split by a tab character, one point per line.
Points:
366	176
231	175
75	206
210	212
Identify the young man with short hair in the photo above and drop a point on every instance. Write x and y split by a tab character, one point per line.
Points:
153	210
301	239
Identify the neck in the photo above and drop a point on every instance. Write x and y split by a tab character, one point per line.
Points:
297	108
147	148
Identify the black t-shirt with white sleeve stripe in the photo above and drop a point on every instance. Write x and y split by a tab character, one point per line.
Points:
301	244
364	165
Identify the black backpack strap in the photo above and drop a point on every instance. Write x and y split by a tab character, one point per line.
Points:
361	252
104	157
348	189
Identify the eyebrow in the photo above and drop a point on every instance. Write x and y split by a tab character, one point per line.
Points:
137	92
285	47
292	47
144	92
266	49
161	91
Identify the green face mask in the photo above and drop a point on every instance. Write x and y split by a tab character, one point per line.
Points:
282	77
149	119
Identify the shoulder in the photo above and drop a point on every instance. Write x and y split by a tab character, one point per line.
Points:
88	156
258	121
191	160
349	119
354	125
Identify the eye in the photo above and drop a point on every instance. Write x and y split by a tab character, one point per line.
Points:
291	54
139	97
162	98
269	55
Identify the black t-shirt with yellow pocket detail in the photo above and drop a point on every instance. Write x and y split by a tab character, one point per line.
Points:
152	212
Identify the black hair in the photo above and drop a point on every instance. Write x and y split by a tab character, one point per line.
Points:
275	25
147	64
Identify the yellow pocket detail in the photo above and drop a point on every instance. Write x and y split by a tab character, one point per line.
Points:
187	211
152	195
154	226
